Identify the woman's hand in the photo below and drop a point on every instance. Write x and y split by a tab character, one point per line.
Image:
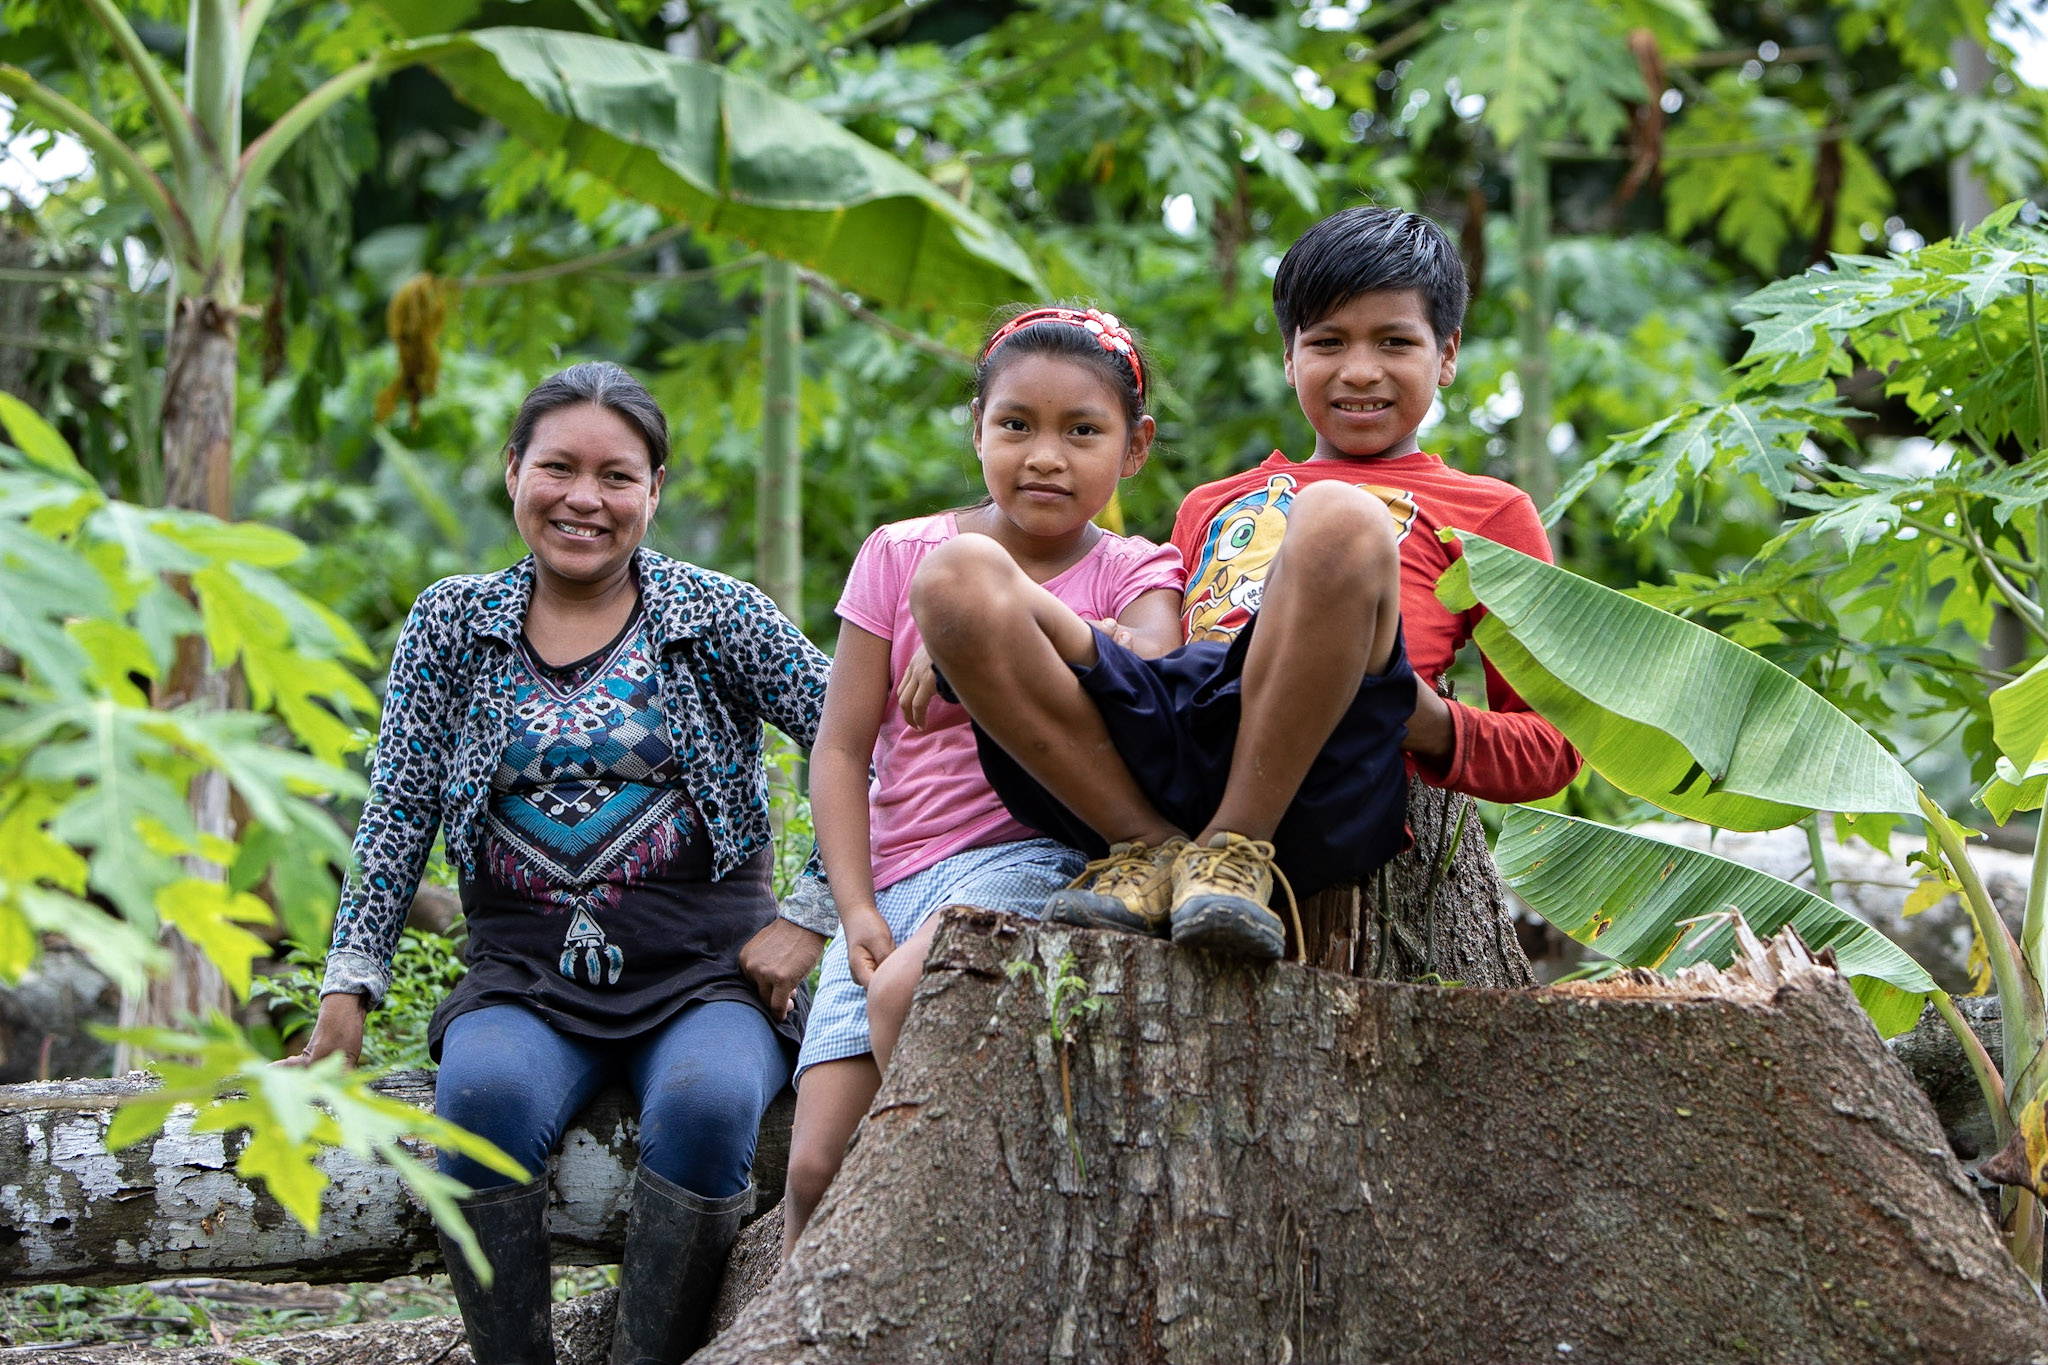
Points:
868	942
916	688
338	1029
778	959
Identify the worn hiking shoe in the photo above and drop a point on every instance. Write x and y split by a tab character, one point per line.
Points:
1220	891
1131	890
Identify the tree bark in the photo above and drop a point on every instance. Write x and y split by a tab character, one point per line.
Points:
1266	1163
199	405
71	1213
198	443
1438	909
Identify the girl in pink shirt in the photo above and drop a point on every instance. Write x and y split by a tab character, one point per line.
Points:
1059	419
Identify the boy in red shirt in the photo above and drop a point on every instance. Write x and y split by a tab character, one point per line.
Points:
1276	736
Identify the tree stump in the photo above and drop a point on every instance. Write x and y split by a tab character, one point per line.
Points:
1438	910
1268	1163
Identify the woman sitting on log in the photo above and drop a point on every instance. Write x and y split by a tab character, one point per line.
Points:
585	729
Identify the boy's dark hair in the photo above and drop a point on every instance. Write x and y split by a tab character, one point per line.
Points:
1363	250
1069	342
607	385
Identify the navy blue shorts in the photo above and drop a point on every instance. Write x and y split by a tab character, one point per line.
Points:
1174	722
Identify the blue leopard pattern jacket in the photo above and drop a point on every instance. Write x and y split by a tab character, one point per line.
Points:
729	661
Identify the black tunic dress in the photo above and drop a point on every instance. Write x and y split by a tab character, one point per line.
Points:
592	905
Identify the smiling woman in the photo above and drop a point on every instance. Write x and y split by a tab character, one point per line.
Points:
584	728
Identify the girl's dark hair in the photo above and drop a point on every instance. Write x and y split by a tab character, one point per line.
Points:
600	382
1363	250
1070	342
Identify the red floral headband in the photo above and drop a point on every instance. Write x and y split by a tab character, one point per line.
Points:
1110	334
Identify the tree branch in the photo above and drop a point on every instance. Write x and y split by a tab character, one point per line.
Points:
27	91
213	75
171	112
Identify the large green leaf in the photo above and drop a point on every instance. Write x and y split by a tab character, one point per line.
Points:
1667	710
2019	716
1629	897
734	158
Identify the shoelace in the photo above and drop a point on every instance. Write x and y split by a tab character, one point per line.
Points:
1109	874
1226	866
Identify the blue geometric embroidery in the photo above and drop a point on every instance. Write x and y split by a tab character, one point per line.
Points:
586	799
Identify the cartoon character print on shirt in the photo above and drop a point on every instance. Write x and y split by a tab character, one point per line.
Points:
1227	580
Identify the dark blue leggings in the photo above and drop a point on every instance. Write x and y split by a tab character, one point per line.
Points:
703	1080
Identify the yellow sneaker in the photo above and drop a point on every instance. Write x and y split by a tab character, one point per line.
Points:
1220	890
1130	890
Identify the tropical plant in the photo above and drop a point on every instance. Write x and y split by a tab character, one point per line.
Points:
1711	729
97	838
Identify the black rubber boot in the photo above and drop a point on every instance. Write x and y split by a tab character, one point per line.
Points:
676	1244
508	1322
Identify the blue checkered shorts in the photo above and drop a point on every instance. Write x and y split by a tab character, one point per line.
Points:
1016	877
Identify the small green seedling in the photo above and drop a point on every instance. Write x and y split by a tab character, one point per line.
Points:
1068	998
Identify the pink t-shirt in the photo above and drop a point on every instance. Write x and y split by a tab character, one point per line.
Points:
929	799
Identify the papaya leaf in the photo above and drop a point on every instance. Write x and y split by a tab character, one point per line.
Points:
1665	709
120	950
2010	789
39	441
1535	63
1630	897
212	916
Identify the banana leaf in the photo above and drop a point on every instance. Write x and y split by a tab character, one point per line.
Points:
1626	896
736	159
1667	710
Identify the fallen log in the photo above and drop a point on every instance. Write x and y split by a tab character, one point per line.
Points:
73	1213
1232	1162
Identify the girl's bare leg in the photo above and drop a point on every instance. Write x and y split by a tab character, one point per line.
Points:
1004	644
830	1103
891	987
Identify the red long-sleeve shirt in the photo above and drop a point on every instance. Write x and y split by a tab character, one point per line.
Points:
1228	531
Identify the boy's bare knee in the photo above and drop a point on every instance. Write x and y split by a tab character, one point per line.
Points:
960	584
1344	531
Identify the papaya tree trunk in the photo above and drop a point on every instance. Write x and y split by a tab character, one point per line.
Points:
1535	467
199	405
779	488
198	423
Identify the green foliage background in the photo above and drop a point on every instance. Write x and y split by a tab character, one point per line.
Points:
1737	441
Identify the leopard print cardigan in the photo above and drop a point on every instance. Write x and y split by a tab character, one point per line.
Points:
729	661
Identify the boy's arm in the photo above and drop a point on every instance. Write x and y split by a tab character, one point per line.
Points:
1506	752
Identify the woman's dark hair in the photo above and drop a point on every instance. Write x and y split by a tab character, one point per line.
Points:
600	382
1069	341
1363	250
